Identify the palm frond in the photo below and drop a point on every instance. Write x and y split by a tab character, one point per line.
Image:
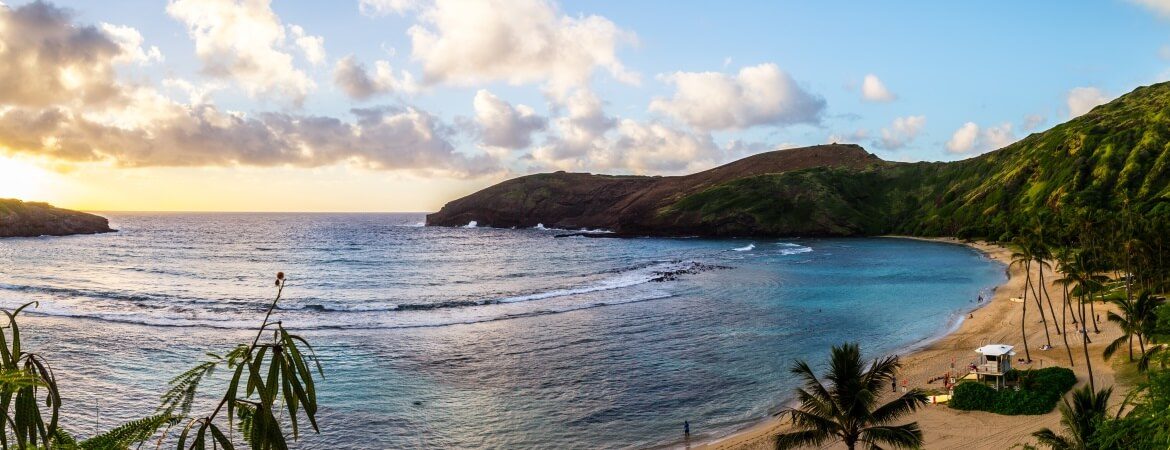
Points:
901	436
129	433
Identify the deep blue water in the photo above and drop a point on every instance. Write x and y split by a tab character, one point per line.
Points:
458	338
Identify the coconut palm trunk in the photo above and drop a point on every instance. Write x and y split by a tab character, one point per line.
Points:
1085	344
1044	290
1063	317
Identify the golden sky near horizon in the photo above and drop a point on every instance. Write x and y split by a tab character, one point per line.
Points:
327	189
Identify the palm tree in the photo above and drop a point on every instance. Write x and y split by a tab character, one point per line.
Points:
1127	320
1023	257
1146	311
1136	318
1061	256
1079	418
846	409
1074	272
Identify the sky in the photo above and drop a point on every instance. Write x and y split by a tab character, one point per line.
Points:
403	105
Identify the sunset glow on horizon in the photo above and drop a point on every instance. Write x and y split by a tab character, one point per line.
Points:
404	105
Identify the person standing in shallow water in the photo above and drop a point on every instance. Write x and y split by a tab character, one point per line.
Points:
687	429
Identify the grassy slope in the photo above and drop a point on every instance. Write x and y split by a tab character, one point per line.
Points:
1117	153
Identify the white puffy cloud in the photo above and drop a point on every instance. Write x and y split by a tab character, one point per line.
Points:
1081	100
243	40
130	40
586	138
901	132
971	138
517	41
963	140
872	89
356	81
62	100
313	47
580	132
503	125
757	95
383	7
999	136
45	59
655	148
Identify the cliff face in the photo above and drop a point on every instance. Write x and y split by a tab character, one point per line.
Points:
1113	158
30	219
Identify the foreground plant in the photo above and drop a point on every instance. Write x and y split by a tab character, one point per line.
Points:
270	377
1080	418
847	408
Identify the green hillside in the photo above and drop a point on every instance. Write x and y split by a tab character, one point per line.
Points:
1113	158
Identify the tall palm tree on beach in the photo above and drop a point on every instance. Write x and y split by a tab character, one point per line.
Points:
1075	273
1023	257
1043	254
1061	255
1080	419
846	409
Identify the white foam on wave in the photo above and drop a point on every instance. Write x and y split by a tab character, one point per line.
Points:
472	224
621	280
795	251
746	248
541	227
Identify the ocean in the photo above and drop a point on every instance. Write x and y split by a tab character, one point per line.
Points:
476	337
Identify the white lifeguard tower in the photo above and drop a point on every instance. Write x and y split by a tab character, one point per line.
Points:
995	362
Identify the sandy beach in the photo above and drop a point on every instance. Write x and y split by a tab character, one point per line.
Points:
995	322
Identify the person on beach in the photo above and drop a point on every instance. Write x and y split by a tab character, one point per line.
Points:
687	429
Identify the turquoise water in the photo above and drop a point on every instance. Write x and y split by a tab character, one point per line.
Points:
473	337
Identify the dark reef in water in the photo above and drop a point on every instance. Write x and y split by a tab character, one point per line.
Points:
30	219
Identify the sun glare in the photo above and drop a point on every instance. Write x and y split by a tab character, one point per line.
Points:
22	179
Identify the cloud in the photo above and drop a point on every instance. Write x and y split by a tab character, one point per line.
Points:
1034	121
586	138
757	95
516	41
352	77
130	40
62	100
504	125
180	135
1081	100
374	8
901	132
580	132
859	135
655	148
873	90
963	140
313	47
45	60
243	41
970	138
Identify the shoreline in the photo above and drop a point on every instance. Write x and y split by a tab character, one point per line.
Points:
990	321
